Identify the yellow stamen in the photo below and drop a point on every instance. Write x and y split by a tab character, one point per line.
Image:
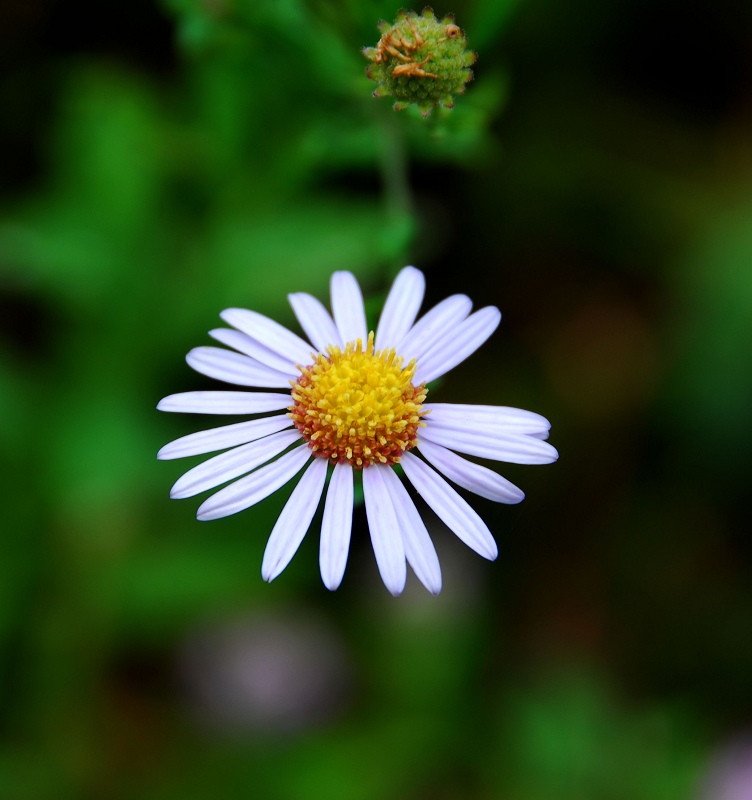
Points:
358	405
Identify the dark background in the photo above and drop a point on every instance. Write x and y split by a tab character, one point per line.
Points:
160	162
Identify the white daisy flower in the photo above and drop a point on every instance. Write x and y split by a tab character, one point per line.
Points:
354	401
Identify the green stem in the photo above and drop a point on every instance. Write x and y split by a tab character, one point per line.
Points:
398	197
397	192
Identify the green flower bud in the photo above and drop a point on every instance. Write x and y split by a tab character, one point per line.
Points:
420	60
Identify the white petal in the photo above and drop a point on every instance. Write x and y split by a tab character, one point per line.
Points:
315	321
452	509
294	521
225	402
385	533
401	307
488	443
463	416
227	436
474	477
433	325
336	526
232	464
465	339
271	334
224	365
250	347
347	307
419	549
254	487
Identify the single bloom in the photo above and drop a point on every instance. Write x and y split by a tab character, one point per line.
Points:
349	401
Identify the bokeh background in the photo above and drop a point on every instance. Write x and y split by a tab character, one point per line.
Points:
162	161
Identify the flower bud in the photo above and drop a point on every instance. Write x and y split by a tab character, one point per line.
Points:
420	60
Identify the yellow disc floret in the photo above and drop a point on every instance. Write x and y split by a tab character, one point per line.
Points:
358	405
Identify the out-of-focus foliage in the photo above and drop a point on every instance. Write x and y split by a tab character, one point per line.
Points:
168	161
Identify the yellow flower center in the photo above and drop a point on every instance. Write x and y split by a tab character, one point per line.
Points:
358	406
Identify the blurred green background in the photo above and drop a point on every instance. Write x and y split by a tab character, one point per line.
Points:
162	161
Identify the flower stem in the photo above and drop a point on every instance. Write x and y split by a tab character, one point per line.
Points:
398	197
